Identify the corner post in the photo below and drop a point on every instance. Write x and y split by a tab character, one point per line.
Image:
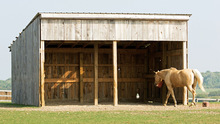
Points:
96	74
185	95
42	60
164	63
115	75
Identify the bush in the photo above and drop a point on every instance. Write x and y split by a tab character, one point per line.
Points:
214	93
202	95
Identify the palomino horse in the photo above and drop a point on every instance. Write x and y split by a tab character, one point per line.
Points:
179	78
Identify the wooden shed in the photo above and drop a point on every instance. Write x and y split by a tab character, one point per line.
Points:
81	58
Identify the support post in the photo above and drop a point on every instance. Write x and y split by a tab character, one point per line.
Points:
115	75
81	76
42	73
185	94
96	73
164	63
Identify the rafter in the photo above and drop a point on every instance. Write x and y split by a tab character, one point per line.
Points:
60	45
139	45
126	45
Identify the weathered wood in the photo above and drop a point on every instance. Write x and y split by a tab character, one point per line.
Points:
73	77
96	73
42	73
90	50
185	94
164	60
115	74
100	80
81	76
140	16
26	65
110	30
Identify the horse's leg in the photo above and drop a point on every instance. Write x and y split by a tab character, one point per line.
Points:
168	95
193	93
174	99
194	88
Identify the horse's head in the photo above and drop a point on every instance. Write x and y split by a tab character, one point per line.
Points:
158	79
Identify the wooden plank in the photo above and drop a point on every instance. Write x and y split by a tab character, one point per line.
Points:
69	29
164	57
60	80
81	76
109	30
90	50
115	75
78	30
87	29
96	74
113	16
42	73
185	94
163	30
136	30
152	30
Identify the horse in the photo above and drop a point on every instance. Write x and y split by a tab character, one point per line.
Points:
179	78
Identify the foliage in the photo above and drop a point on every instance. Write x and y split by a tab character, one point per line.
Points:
5	85
214	93
211	79
202	95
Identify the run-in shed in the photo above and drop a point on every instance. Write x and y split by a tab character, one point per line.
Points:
97	57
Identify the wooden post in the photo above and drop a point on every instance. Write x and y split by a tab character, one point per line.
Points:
164	63
42	73
81	76
185	95
115	75
96	73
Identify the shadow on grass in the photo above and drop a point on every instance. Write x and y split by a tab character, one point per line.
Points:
12	105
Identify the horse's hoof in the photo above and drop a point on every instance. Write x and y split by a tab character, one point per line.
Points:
164	104
194	104
191	105
175	105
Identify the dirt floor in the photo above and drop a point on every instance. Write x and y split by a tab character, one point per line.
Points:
110	107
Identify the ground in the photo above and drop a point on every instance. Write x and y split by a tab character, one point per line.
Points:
110	107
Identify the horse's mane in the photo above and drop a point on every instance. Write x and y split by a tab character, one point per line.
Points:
172	68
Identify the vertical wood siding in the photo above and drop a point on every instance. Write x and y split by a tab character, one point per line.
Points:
60	29
25	66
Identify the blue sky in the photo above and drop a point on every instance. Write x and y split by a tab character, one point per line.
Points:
204	25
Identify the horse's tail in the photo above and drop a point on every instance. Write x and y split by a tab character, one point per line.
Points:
199	78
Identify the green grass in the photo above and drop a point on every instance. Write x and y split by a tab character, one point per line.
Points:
8	116
194	116
9	104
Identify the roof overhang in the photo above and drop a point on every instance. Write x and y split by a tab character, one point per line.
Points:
135	16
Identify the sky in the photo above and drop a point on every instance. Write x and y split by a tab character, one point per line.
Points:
204	24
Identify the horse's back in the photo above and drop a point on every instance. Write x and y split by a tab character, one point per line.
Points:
179	78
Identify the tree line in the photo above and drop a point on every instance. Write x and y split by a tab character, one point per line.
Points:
211	79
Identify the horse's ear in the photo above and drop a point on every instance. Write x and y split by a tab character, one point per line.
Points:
156	72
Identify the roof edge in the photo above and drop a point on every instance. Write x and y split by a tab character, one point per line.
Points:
141	16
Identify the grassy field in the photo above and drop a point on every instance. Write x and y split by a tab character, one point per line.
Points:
211	116
198	116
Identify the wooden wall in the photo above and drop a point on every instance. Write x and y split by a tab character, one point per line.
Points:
25	65
109	30
173	57
62	75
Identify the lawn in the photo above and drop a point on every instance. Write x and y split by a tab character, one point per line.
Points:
8	116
